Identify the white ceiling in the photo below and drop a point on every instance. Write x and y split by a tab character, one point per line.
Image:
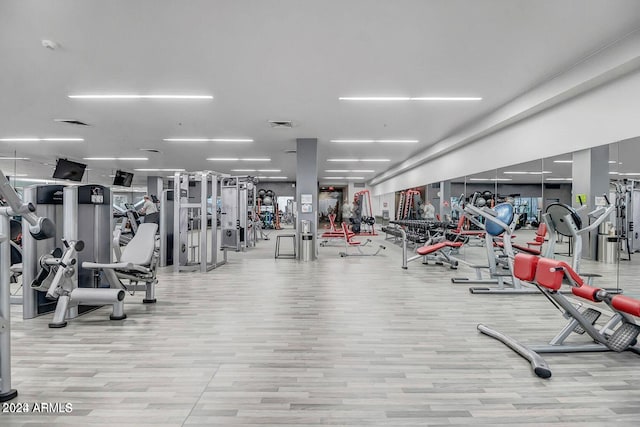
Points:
282	60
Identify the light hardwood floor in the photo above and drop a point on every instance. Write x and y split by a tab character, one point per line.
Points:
355	341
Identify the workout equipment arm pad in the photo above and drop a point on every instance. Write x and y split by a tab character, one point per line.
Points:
626	304
587	292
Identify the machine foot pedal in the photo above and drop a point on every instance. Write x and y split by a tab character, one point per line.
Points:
623	337
590	316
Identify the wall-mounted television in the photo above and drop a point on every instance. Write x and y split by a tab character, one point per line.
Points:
122	178
66	169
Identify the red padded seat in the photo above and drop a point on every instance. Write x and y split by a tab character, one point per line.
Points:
524	267
429	249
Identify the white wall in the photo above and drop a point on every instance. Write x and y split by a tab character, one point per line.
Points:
592	103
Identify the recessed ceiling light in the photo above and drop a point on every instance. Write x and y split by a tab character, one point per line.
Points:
563	161
136	96
41	139
115	158
160	170
408	98
14	158
207	140
366	141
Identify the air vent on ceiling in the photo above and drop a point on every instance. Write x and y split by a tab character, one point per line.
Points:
73	122
290	151
150	150
358	185
281	123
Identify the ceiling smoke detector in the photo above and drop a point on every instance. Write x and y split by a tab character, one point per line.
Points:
281	123
73	122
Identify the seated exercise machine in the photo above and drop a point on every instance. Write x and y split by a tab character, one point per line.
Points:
40	228
435	247
57	279
566	221
499	221
137	263
349	242
619	333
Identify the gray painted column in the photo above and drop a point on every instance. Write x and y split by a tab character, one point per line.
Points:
154	186
445	196
590	176
307	184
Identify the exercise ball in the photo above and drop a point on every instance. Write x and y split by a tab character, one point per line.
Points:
270	193
481	202
261	193
267	201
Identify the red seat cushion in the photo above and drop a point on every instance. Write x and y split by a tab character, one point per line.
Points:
547	275
429	249
524	267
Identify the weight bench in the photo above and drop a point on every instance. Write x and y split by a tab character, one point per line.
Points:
137	263
619	333
349	242
437	252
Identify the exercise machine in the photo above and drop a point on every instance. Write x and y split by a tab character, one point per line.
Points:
619	333
363	221
166	227
137	263
195	218
40	228
499	221
87	224
350	242
238	198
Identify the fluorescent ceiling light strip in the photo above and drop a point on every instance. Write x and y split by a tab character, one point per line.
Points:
223	159
349	170
342	160
526	173
41	139
244	170
115	158
374	160
260	159
367	141
343	177
272	177
208	140
269	170
160	170
409	98
563	161
14	158
136	96
490	179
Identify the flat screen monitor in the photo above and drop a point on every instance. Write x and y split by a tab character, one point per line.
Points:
123	178
66	169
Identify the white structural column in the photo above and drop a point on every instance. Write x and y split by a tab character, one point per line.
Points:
590	177
307	186
445	199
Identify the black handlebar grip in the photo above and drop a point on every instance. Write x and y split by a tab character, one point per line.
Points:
607	199
31	207
79	246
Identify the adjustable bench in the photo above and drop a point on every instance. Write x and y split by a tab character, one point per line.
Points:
349	242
